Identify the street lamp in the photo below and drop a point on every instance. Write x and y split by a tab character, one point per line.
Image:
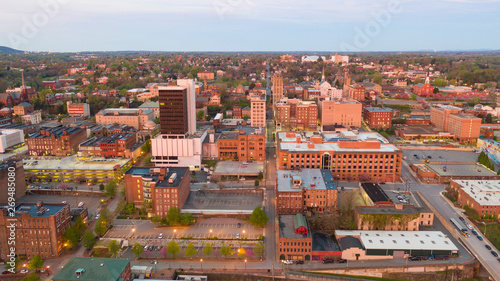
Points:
201	264
245	263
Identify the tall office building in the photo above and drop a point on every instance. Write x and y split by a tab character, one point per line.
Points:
178	144
277	81
177	108
258	112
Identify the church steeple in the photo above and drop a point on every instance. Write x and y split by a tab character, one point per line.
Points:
323	74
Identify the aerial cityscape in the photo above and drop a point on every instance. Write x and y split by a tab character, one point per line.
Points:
236	140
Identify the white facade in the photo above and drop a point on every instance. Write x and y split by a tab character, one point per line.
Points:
32	118
258	112
191	103
177	151
333	93
10	138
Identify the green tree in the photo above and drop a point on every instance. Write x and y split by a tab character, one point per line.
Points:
377	79
35	263
260	176
173	248
190	251
488	119
173	216
259	249
256	183
199	115
101	187
258	217
207	250
72	236
113	247
226	250
32	277
187	219
137	249
100	227
207	118
88	239
110	189
146	147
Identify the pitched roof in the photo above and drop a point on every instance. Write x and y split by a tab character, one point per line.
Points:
102	269
299	221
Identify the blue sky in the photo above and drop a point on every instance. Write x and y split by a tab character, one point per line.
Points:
250	25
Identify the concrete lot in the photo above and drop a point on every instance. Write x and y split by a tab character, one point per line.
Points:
236	168
224	202
462	170
92	203
221	227
440	156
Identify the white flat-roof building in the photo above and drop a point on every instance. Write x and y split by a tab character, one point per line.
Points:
480	195
373	244
10	138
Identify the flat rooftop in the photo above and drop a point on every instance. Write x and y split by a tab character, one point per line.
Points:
45	210
423	130
236	168
154	174
407	210
485	192
73	163
375	192
323	242
407	240
287	228
379	109
320	179
461	170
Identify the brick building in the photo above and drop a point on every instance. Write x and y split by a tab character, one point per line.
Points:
347	154
12	171
258	112
162	187
114	145
295	113
377	117
480	195
23	108
466	128
39	228
441	114
132	117
78	109
357	92
346	113
237	114
307	189
58	141
423	89
240	146
295	240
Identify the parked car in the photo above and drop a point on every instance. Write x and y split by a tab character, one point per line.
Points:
64	202
288	262
328	261
24	271
299	262
498	259
238	225
488	247
341	260
6	272
80	204
415	258
474	232
237	235
160	236
97	216
461	218
480	238
495	254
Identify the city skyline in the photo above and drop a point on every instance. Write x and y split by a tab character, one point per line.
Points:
250	25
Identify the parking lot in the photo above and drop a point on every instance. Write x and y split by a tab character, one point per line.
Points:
92	203
440	156
215	227
200	202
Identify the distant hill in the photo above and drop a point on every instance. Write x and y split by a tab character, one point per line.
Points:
7	50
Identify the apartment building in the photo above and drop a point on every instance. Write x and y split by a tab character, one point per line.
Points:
133	117
296	114
357	92
114	145
307	189
378	117
163	188
39	229
258	111
23	108
241	146
465	127
78	109
441	114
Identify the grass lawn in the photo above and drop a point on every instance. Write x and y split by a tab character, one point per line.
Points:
492	233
